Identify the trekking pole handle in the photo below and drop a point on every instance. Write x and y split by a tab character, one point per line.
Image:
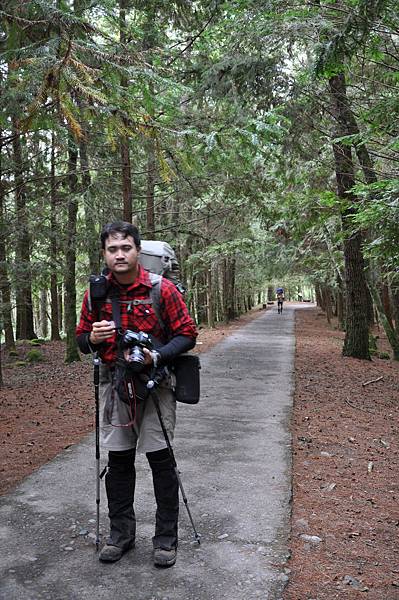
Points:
96	375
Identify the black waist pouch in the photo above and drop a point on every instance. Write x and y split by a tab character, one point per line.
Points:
186	368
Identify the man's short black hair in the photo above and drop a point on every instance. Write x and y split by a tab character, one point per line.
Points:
122	227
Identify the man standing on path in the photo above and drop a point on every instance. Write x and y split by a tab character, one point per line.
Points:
127	426
280	300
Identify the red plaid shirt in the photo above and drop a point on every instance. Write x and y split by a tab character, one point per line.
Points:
141	317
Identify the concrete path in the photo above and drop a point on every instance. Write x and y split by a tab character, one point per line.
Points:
233	451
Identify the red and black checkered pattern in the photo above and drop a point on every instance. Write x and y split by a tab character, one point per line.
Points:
142	317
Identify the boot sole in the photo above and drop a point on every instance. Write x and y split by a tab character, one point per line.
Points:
115	559
166	564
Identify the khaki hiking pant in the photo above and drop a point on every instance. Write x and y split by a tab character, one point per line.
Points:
146	433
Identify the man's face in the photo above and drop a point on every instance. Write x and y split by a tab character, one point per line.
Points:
121	256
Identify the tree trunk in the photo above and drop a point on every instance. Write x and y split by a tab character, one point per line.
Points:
126	179
393	338
124	143
72	353
61	304
5	288
270	293
356	338
89	208
5	291
43	313
326	293
1	371
150	208
91	235
55	327
386	301
209	299
395	305
25	329
340	304
370	309
217	295
201	297
356	342
229	289
320	297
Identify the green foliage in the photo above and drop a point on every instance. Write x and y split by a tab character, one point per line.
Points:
36	342
373	342
344	39
241	132
380	215
34	356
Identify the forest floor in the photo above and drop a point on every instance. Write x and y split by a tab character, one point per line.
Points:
345	512
345	517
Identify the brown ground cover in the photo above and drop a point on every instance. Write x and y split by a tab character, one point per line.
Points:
345	470
345	453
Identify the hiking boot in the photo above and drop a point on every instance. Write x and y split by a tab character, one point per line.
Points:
164	558
110	553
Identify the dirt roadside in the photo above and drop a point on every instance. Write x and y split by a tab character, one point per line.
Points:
345	517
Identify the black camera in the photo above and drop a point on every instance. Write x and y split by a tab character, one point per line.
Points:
135	342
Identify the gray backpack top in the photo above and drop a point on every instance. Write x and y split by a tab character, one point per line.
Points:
160	258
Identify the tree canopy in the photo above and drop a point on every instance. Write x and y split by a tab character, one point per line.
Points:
258	138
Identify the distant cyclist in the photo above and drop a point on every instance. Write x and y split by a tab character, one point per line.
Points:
280	300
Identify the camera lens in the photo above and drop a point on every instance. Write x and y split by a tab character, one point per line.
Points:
136	359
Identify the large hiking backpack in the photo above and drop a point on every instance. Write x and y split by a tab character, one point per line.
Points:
160	258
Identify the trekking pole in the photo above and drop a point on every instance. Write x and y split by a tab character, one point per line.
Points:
96	377
151	385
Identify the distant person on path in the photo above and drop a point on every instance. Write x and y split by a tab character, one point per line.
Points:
280	300
125	428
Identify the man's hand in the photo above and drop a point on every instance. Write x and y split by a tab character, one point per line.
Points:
151	357
102	330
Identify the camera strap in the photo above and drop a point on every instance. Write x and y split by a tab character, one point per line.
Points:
116	316
116	310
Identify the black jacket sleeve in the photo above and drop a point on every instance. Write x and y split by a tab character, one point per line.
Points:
176	346
85	346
